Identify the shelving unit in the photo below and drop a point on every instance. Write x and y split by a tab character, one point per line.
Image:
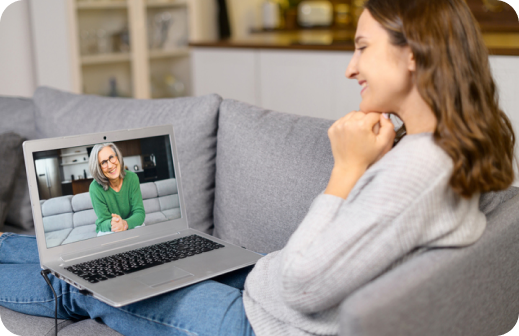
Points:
105	58
142	70
73	163
101	4
160	53
72	154
159	4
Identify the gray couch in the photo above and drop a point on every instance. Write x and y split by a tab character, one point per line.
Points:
67	219
250	176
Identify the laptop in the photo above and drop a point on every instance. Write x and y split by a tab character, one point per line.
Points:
118	268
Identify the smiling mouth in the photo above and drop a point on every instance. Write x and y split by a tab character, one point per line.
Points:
112	171
364	85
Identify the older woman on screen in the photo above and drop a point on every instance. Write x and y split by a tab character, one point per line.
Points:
115	192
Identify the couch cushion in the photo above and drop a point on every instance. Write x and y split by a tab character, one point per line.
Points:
194	120
17	115
85	217
55	238
169	202
28	325
488	202
11	157
270	166
148	190
57	205
151	205
172	213
88	328
81	202
167	187
81	233
58	222
469	290
154	217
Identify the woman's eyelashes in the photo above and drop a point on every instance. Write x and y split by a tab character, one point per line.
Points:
361	49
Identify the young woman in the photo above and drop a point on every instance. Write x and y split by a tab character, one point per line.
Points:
423	61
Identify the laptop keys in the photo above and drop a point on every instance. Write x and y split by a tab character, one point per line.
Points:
137	260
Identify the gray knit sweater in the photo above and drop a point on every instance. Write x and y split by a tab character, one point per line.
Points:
400	206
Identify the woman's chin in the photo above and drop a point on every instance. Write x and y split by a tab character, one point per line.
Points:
366	107
113	176
369	108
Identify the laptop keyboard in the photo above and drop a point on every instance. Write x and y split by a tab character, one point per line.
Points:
136	260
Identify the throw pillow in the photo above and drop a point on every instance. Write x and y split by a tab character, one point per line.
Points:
270	167
11	157
17	115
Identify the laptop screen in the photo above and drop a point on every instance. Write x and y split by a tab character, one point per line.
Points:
107	188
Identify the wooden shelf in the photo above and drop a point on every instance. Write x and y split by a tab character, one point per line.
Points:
72	154
161	53
158	3
74	163
101	4
131	69
105	58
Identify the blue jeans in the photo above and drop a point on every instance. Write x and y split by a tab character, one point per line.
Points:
211	307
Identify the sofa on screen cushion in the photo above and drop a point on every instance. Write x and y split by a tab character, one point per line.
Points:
250	175
68	219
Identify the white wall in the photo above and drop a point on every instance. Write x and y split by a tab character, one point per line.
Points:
52	52
34	47
16	55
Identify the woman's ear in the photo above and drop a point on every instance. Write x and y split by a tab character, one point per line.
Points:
411	61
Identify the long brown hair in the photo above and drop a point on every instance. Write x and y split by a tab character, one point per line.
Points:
453	76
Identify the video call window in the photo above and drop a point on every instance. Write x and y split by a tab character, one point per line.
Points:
100	189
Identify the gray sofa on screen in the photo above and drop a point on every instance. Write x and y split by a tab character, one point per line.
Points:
250	176
68	219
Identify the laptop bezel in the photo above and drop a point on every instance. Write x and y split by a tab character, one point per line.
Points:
101	244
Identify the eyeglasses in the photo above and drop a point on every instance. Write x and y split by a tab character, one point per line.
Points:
112	159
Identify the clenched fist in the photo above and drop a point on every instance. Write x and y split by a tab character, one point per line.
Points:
118	224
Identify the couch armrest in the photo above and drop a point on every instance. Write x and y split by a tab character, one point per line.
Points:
452	291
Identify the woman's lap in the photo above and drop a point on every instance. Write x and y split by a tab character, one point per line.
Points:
180	312
20	249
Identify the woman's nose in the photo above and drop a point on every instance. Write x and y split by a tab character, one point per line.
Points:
351	70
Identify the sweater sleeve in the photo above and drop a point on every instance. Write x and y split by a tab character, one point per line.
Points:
104	217
343	244
137	214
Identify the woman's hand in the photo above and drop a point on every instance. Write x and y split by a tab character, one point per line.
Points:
358	140
118	224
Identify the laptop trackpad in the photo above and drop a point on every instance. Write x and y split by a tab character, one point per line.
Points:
164	276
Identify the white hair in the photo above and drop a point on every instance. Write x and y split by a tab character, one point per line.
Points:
95	167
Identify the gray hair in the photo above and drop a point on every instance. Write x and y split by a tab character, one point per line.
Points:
95	167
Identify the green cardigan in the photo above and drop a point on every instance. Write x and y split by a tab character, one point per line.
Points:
126	203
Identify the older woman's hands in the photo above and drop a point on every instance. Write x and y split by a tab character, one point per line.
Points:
358	140
118	224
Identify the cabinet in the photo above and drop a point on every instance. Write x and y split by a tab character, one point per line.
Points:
81	186
131	48
129	148
309	83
